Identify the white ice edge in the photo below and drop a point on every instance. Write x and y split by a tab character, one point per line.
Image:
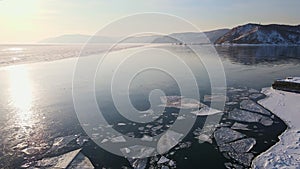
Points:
285	153
291	80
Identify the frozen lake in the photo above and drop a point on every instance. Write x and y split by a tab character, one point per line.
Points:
37	106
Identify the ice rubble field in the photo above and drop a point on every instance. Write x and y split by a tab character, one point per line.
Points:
286	153
231	137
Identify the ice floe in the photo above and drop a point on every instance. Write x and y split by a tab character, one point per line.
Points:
225	135
243	158
243	145
118	139
206	111
233	166
163	160
81	162
65	143
252	106
239	126
204	138
168	141
180	102
147	138
70	160
137	151
249	117
138	163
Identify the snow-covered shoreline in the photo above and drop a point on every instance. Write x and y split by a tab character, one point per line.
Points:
285	153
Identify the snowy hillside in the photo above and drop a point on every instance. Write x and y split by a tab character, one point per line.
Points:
262	34
192	37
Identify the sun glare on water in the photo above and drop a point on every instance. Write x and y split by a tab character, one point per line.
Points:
21	94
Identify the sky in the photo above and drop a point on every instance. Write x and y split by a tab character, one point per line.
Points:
29	21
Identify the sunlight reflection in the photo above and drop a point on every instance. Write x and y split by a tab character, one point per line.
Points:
21	94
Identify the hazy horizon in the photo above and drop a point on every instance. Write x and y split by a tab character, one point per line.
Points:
31	21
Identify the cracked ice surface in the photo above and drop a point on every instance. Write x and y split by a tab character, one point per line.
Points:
246	116
71	160
243	145
225	135
81	162
252	106
243	158
239	146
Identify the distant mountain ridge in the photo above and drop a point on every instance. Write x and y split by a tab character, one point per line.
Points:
185	37
192	37
262	34
273	34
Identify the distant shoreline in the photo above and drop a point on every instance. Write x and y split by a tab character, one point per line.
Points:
122	46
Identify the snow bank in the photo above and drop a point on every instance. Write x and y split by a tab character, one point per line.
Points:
291	79
285	154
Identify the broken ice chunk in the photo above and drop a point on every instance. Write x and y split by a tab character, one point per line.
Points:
60	143
180	102
168	140
180	118
266	121
121	124
118	139
137	151
231	103
225	148
235	166
104	140
246	116
164	167
204	138
225	135
61	161
147	138
138	163
81	162
183	145
163	159
81	140
206	111
243	158
239	126
170	99
243	145
253	106
171	163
